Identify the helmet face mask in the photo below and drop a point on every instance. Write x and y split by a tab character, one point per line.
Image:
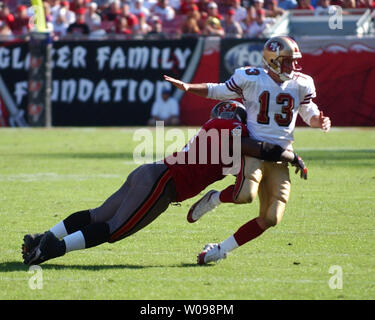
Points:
280	55
230	109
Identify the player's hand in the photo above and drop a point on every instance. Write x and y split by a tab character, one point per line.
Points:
324	122
300	166
177	83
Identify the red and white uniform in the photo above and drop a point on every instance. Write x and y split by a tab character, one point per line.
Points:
190	179
272	108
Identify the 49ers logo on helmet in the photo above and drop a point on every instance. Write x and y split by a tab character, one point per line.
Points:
274	46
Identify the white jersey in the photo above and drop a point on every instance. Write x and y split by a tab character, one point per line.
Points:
271	108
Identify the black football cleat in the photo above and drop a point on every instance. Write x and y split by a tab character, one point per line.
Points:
50	247
30	242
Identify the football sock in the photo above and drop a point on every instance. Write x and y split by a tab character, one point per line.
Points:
247	232
227	194
89	236
229	244
77	221
74	241
59	230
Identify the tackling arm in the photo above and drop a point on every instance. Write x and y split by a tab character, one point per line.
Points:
272	152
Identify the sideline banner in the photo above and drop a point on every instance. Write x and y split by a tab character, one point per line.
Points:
113	83
344	74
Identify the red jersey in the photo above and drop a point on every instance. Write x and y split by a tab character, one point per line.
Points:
200	163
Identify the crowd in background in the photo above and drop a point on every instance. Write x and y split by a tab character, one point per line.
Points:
159	18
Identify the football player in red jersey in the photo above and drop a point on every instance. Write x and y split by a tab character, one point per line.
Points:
150	188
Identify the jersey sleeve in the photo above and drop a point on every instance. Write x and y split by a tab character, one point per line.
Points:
307	107
230	89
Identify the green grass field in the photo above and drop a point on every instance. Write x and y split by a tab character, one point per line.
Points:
46	175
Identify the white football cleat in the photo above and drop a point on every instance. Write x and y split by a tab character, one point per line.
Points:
211	253
201	207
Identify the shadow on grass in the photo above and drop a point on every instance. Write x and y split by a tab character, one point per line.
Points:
12	266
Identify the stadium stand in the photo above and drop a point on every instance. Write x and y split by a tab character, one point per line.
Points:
308	18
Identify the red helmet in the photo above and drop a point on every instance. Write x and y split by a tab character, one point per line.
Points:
230	109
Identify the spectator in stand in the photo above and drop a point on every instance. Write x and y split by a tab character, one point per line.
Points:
122	26
21	21
368	4
252	12
273	10
213	27
305	5
143	27
110	16
164	10
92	18
288	4
55	6
60	25
138	8
240	13
176	5
257	27
191	26
165	109
186	5
5	32
75	5
5	15
325	8
69	14
232	28
130	17
213	11
79	27
156	29
349	4
203	5
48	16
150	4
113	12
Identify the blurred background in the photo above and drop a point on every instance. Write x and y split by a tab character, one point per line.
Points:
101	63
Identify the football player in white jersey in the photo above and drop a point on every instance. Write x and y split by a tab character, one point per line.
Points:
273	96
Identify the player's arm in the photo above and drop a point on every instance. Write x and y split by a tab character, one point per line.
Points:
272	152
309	111
231	89
199	89
320	121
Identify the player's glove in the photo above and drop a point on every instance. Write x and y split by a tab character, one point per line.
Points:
300	166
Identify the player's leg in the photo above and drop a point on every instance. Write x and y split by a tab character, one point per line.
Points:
274	190
144	201
80	219
145	205
243	191
273	194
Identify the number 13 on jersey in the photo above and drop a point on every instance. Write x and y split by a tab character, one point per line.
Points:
283	119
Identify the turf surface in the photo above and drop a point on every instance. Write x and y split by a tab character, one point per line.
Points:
47	174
